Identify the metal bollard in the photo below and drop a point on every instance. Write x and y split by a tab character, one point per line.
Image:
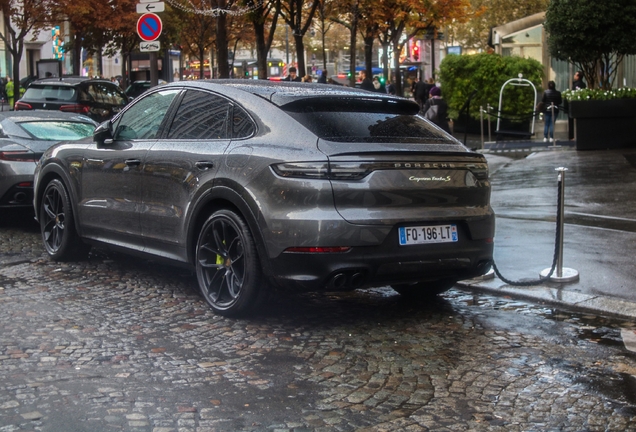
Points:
563	275
481	123
488	113
553	121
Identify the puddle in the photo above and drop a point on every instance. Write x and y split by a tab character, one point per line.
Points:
590	328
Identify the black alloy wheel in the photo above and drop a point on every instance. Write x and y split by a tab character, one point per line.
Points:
57	225
227	265
424	290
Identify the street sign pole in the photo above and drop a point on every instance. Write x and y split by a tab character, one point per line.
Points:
154	69
149	28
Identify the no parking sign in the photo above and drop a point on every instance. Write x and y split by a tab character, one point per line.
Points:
149	27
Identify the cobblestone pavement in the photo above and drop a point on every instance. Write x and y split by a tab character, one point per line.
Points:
115	343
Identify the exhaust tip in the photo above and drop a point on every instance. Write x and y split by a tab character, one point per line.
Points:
19	197
338	281
357	279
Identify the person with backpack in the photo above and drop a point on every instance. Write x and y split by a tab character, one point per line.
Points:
436	109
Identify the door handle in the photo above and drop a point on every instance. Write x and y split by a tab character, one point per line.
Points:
132	162
204	165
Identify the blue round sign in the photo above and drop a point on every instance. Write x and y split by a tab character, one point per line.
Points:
149	27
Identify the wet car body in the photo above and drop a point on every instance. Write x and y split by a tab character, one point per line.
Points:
96	98
20	150
321	210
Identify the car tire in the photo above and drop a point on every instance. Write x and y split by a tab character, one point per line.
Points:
424	290
57	225
227	265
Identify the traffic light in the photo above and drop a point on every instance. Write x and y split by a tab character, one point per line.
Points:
415	52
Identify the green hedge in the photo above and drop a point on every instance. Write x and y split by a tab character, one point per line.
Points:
486	73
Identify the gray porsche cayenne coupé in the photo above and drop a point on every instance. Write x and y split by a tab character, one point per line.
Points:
255	184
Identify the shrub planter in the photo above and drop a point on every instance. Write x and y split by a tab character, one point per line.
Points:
604	124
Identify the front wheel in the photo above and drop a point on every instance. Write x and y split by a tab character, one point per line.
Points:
424	290
227	264
57	225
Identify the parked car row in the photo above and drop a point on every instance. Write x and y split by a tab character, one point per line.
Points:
24	137
259	184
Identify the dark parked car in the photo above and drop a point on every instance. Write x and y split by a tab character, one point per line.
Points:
24	136
99	99
138	87
252	183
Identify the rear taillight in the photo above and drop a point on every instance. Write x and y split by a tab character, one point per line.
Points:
314	170
18	156
22	106
479	170
75	108
319	249
359	170
322	170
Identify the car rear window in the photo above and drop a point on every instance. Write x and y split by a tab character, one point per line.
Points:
50	93
366	120
58	130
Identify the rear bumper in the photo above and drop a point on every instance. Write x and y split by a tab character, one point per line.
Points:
385	264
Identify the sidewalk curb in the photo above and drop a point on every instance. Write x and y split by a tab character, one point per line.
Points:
599	305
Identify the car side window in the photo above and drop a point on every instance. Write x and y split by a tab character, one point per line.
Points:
201	115
143	119
93	93
112	95
242	124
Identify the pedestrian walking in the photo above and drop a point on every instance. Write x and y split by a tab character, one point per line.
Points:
293	75
577	84
436	109
378	85
365	82
9	91
420	93
551	97
390	88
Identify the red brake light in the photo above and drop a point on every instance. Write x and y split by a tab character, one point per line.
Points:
75	108
314	249
18	156
22	106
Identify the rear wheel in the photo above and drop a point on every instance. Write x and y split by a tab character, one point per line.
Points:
424	290
228	268
58	226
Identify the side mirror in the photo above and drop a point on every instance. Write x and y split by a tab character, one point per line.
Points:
103	134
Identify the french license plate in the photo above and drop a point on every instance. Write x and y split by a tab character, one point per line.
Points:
427	234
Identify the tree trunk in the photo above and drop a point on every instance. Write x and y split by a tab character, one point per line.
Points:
261	49
77	55
123	83
368	55
300	54
100	63
324	52
201	62
221	45
18	46
385	60
397	49
352	47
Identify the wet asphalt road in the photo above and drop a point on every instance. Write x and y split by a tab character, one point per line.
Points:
115	343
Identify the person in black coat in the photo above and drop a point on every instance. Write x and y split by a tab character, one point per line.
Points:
550	97
420	92
365	82
439	114
576	85
293	75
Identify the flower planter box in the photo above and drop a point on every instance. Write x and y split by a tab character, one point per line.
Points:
604	124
